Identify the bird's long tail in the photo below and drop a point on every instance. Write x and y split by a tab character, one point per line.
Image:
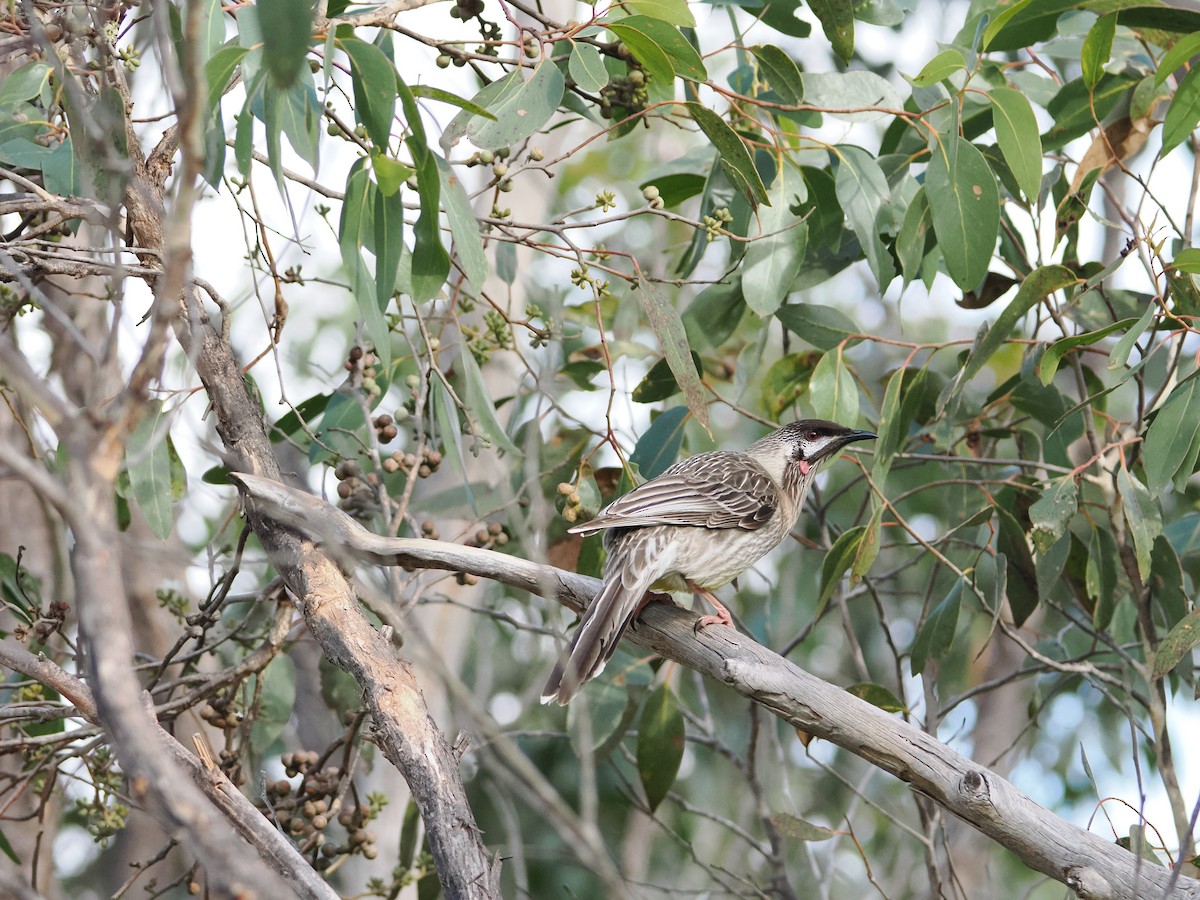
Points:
627	579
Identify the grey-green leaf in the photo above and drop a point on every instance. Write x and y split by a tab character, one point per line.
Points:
965	204
522	109
149	464
1018	137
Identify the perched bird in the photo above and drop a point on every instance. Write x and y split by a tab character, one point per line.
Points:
697	526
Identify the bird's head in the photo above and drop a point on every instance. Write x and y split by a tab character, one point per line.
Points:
809	442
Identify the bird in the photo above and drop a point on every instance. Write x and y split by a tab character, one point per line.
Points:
695	527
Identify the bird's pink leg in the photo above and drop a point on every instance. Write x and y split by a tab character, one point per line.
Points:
722	616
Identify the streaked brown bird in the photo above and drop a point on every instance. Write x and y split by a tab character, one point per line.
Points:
697	526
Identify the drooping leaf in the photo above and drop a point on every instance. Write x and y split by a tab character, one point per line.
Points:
675	12
837	563
1097	48
635	31
285	38
837	21
773	260
217	72
374	80
1021	573
463	225
1172	437
1142	515
863	192
734	157
965	205
430	261
482	409
659	446
667	326
659	383
1019	139
1183	113
148	462
660	744
936	633
587	67
780	72
833	391
276	701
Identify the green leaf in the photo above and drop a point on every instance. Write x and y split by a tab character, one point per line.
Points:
586	66
1179	642
936	634
1143	516
430	261
659	446
773	261
659	383
1036	287
635	31
286	34
521	109
217	72
796	829
389	173
1022	584
1052	513
893	427
667	326
822	326
289	425
1018	138
24	83
1187	260
837	563
1180	53
1100	576
427	92
858	95
148	462
482	409
1002	19
735	159
837	21
1056	351
1097	48
463	225
1183	113
1075	109
715	313
374	79
660	744
780	72
965	204
877	695
354	228
868	547
786	381
940	67
611	708
833	391
1120	354
675	12
1172	437
7	849
914	237
863	192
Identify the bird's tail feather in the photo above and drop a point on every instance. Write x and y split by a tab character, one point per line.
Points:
595	640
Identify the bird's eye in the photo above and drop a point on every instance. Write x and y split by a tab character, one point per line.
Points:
812	436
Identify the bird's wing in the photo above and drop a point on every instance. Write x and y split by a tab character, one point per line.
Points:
712	490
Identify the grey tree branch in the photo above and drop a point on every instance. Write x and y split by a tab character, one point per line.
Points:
1095	868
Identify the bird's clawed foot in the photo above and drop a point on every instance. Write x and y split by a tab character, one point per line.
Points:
722	616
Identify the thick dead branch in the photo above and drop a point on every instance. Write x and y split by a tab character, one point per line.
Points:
1095	868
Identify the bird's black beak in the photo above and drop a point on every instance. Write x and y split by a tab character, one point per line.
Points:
848	438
